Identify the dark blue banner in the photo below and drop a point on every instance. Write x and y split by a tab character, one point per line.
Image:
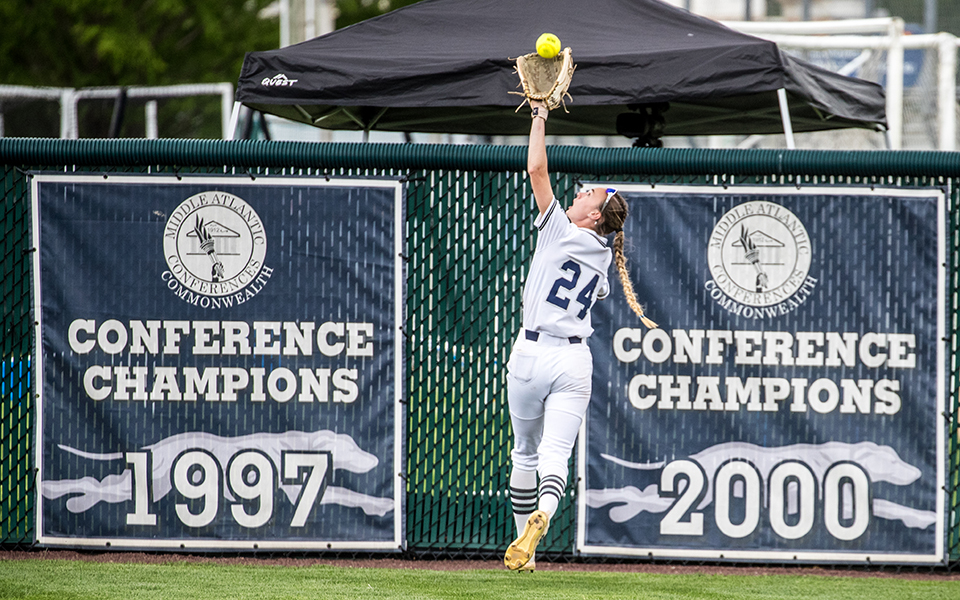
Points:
219	362
790	405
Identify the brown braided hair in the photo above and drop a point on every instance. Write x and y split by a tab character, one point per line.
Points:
612	220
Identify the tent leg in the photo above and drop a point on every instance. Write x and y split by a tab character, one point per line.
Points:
785	117
234	117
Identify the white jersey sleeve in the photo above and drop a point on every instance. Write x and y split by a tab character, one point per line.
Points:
551	224
567	275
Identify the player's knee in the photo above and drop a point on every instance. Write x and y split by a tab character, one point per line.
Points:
524	460
552	469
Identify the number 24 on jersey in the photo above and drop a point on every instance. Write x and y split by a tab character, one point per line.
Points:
559	293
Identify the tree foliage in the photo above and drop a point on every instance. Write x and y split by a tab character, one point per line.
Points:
83	43
354	11
89	43
80	43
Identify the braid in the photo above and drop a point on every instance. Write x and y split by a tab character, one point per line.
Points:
621	260
614	216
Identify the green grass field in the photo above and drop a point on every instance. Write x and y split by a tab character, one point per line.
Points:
37	579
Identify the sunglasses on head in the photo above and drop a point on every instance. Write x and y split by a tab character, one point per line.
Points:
610	193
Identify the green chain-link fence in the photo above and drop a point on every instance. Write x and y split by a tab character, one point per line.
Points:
467	247
16	472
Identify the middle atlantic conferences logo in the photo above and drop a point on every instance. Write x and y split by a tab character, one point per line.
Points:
214	245
759	257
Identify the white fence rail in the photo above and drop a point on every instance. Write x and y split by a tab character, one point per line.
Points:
69	99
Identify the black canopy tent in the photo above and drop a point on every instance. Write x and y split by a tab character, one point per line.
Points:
444	66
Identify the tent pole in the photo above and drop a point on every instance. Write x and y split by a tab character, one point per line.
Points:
947	90
234	117
785	117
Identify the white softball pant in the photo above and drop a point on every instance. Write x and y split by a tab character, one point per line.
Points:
548	389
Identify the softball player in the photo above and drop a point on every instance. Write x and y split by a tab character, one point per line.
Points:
551	367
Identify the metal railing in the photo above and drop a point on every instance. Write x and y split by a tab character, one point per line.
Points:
70	98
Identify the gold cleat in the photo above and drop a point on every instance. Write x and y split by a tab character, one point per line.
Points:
520	552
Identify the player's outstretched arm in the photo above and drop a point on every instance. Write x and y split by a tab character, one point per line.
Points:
537	158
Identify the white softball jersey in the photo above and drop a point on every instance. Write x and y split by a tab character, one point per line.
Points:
567	275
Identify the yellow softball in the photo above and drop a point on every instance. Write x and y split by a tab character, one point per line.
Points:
548	45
